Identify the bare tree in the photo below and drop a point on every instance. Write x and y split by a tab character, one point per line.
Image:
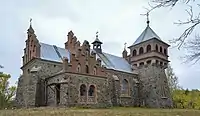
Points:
193	44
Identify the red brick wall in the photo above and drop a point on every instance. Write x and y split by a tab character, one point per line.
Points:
32	48
80	55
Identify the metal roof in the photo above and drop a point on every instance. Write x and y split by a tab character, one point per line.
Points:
54	53
147	34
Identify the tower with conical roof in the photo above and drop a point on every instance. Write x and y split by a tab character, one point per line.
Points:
148	55
149	49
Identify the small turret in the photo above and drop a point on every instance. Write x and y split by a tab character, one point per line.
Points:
124	53
97	44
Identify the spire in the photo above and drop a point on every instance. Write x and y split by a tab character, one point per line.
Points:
97	39
97	35
125	46
148	19
31	30
124	53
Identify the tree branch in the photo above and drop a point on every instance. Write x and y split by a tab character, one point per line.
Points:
192	22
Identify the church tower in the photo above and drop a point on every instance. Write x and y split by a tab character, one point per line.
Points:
149	56
97	44
32	49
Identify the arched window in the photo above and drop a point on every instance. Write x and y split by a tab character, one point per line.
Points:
157	61
79	68
95	70
141	50
149	62
91	91
160	49
83	90
87	69
148	48
141	63
125	87
134	52
156	47
165	51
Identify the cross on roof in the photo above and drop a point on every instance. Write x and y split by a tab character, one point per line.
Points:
147	14
125	45
30	21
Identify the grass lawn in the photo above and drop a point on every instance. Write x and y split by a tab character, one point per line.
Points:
99	112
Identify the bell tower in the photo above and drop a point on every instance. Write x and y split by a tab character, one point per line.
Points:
149	49
149	57
97	44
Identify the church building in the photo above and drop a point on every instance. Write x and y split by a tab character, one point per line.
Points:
83	75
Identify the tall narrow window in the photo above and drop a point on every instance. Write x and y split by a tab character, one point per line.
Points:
95	70
87	69
91	91
156	47
148	48
79	68
141	50
134	52
125	87
157	61
165	51
161	49
83	90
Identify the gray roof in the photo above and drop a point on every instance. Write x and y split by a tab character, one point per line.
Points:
54	53
147	34
114	62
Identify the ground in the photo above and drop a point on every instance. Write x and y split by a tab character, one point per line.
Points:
119	111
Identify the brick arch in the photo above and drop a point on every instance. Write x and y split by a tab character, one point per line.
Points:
148	48
134	52
83	90
95	70
91	90
156	47
78	67
141	50
86	69
161	50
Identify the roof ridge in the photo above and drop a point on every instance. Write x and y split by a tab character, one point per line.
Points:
147	34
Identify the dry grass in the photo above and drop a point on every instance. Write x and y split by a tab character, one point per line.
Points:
99	112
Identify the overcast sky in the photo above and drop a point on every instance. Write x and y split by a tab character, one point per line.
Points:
118	21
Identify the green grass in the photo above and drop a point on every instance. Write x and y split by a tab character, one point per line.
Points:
119	111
